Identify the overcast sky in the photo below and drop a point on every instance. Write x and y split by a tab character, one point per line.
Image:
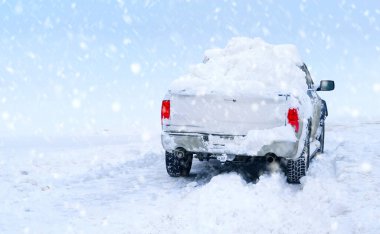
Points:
71	67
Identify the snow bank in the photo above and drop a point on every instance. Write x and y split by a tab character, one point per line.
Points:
227	204
244	65
114	187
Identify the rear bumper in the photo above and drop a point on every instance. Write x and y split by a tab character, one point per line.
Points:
220	144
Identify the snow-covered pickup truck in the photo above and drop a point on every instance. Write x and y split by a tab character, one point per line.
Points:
247	101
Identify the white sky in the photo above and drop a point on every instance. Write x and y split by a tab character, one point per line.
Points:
79	68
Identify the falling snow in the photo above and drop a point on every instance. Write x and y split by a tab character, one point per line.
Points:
76	103
81	87
135	68
116	107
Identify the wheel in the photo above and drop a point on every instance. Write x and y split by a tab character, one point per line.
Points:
296	169
306	150
322	139
178	163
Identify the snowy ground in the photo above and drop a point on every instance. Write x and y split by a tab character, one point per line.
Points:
119	185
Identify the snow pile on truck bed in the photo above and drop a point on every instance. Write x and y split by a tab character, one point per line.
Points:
243	66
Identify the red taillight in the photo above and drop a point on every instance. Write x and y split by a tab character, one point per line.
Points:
165	110
293	118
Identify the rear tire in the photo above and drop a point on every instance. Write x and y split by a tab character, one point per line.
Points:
296	169
322	139
178	163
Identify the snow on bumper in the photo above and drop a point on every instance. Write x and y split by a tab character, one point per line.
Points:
255	143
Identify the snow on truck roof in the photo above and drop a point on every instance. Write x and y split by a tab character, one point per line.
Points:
245	65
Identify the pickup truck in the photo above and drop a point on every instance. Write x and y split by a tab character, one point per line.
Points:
281	127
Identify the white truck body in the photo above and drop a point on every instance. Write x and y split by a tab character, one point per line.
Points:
219	124
250	99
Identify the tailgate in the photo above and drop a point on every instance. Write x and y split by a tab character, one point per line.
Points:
229	115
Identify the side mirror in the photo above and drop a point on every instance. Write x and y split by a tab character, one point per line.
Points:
326	85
